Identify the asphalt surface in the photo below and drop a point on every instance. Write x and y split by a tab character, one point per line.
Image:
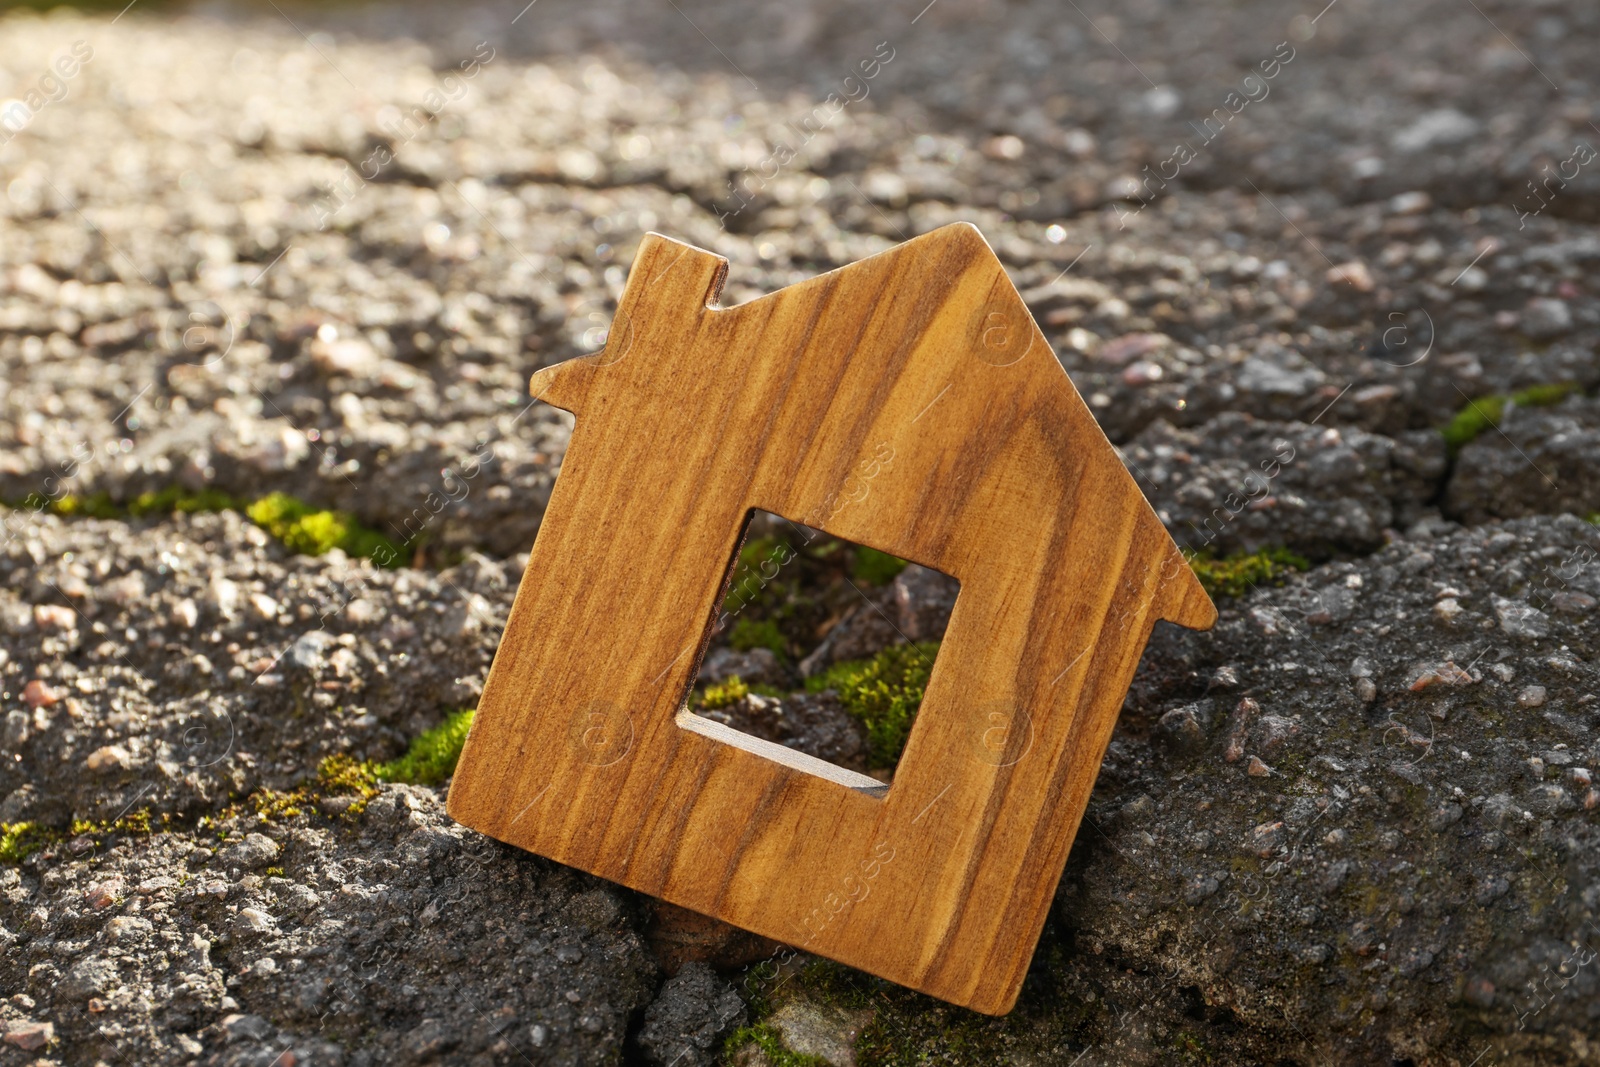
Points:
318	251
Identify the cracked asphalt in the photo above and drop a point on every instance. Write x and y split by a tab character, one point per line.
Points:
318	250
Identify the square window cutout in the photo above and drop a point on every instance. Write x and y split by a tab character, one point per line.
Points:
822	646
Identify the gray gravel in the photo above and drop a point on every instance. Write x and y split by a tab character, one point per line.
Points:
1540	459
684	1025
178	665
1240	484
1359	815
1288	858
395	937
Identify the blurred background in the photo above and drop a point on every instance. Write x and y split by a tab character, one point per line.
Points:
421	203
214	212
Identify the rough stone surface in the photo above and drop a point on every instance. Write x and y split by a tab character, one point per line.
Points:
819	1030
684	1025
390	937
1354	825
812	723
178	719
1240	484
915	606
1420	869
1539	460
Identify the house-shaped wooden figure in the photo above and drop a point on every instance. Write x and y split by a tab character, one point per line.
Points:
692	416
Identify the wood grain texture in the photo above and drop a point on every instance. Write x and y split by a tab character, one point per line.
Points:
693	415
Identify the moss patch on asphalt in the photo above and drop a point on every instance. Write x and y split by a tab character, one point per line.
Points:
1236	575
302	527
728	691
874	567
1485	412
884	692
430	760
163	502
312	531
767	1039
19	840
907	1029
748	634
432	757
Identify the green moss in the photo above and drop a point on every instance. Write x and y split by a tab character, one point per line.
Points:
172	498
884	692
1051	1023
432	757
757	550
874	567
19	840
1486	411
757	633
338	774
93	506
766	1038
1539	396
827	982
305	529
430	760
905	1029
1478	416
343	773
270	805
160	502
911	1030
135	822
301	527
138	822
731	691
142	822
1237	574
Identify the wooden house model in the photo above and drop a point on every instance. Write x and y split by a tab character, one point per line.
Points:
693	415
